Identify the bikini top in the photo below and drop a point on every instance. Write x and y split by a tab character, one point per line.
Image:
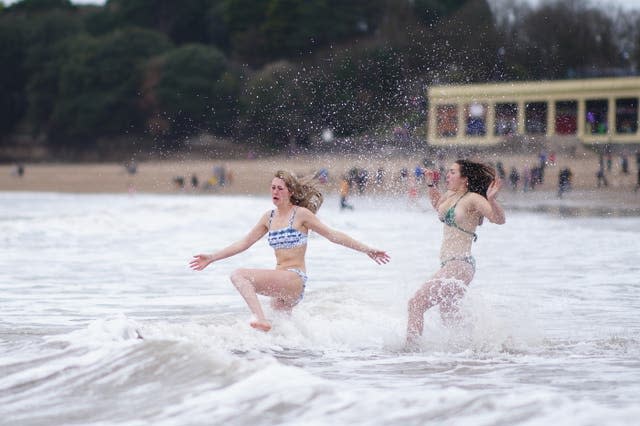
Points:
286	238
449	218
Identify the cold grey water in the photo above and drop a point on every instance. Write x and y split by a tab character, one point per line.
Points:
551	330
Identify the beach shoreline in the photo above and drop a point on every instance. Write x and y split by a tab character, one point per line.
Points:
252	177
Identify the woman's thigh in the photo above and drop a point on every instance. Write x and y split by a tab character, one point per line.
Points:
275	283
455	270
447	283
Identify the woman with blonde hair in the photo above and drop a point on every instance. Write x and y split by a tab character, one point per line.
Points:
287	226
471	194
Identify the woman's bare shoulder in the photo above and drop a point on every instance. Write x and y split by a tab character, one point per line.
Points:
304	213
475	196
266	215
475	199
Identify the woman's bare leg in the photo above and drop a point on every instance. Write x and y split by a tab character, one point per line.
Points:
453	290
422	300
284	285
446	288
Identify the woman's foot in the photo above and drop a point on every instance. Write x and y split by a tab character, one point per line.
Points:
262	325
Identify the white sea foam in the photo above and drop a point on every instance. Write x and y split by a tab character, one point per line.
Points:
549	331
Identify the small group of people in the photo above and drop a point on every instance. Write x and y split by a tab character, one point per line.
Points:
531	177
470	196
221	176
606	168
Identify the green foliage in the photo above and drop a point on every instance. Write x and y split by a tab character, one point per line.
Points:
469	43
285	102
196	92
36	6
104	101
359	89
45	32
13	78
273	105
265	30
27	40
561	37
186	21
292	27
277	71
432	11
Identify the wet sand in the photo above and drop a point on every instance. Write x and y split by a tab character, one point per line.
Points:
252	177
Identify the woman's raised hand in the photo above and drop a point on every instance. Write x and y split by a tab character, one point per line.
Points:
494	188
430	175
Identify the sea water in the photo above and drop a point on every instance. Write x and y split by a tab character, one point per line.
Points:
550	332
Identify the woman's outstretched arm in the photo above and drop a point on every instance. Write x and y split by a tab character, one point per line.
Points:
202	260
312	222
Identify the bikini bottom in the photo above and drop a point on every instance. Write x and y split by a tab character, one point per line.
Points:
304	278
469	259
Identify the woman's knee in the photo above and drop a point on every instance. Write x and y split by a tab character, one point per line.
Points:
427	296
239	276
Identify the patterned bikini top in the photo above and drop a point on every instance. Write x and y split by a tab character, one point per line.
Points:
449	219
286	238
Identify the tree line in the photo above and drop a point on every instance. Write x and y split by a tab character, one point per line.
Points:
267	73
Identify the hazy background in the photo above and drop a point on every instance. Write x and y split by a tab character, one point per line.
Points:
87	82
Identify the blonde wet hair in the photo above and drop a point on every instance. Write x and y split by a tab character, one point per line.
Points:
303	193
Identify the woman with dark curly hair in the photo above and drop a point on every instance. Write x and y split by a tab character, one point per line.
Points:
471	194
287	226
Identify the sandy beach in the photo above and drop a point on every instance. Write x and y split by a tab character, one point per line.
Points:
252	176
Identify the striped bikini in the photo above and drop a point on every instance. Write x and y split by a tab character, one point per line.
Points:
288	238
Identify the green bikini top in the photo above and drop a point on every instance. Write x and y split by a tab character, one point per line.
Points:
449	218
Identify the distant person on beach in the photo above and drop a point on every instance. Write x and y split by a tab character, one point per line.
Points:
380	176
287	227
514	178
178	181
624	163
600	175
564	181
471	194
345	186
638	169
131	167
18	170
502	174
526	184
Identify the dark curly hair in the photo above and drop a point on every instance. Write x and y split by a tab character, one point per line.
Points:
303	194
479	175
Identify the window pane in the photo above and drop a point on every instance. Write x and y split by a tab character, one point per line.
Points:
566	117
506	119
627	115
476	119
596	117
535	118
447	120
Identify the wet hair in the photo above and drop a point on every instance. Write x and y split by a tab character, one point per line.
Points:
303	193
479	175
